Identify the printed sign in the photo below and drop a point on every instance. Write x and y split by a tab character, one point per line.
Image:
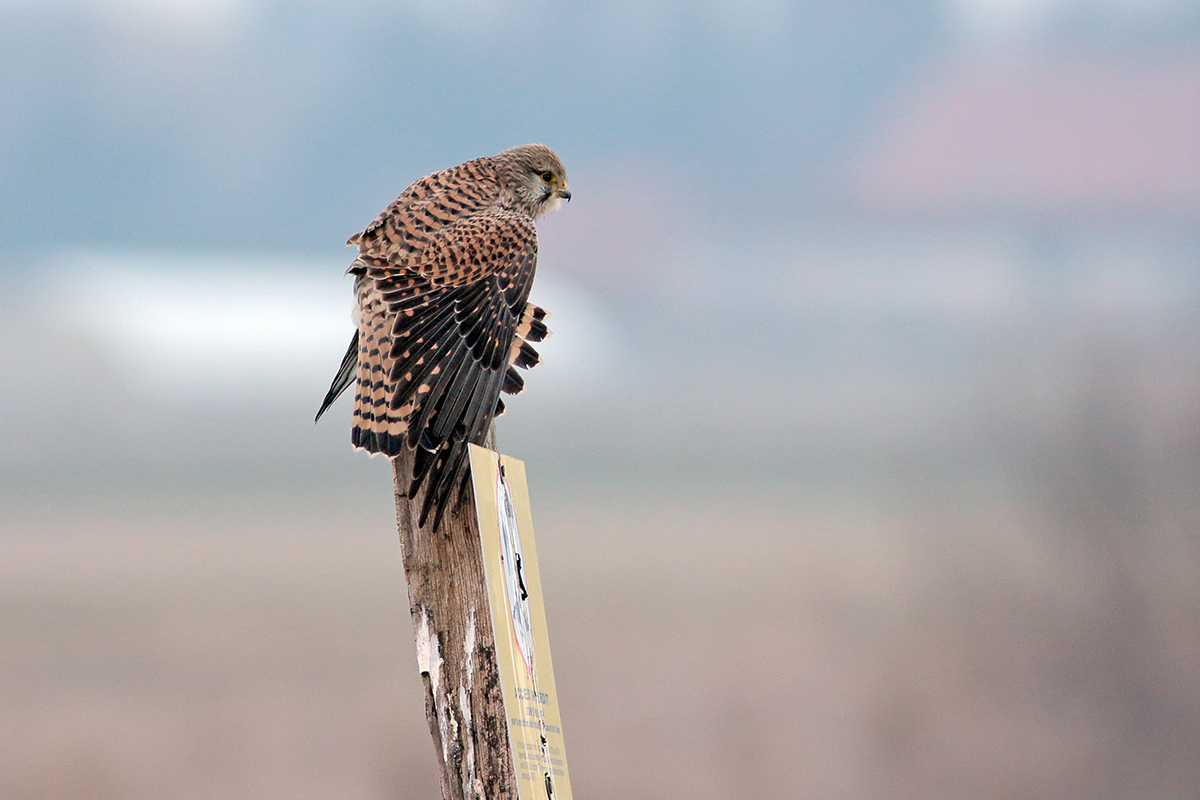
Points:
519	624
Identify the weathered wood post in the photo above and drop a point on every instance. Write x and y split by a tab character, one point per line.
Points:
455	613
456	654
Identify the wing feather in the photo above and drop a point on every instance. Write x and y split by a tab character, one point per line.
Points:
345	376
450	376
454	314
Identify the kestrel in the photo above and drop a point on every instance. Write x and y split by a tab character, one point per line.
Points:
442	282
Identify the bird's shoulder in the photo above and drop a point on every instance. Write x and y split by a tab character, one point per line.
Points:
406	229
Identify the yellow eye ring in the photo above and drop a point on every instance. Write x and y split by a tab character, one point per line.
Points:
548	177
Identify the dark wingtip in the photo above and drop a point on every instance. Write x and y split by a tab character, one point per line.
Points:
538	331
334	391
443	474
513	382
345	376
325	404
527	357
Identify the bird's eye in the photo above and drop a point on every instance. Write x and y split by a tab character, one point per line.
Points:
548	177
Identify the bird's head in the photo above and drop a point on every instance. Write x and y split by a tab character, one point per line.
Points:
537	178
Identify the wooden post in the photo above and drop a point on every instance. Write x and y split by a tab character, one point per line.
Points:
456	652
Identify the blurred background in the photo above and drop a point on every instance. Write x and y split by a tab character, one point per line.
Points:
864	459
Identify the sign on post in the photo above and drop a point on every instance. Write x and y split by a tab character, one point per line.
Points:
514	590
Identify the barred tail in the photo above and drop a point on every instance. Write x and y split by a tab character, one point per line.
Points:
377	427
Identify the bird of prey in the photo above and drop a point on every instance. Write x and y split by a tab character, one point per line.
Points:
442	282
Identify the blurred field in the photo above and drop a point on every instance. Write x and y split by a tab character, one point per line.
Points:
1008	610
705	647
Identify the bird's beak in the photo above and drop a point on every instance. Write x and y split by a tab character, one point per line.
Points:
565	194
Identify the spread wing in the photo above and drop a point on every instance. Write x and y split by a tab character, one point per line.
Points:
438	332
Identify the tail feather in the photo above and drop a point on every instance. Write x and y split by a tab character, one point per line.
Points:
378	428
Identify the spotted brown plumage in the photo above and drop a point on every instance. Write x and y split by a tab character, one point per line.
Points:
442	282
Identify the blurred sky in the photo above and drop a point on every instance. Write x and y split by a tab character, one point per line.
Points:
270	127
918	252
276	127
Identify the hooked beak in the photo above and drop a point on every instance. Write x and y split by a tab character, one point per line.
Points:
565	194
